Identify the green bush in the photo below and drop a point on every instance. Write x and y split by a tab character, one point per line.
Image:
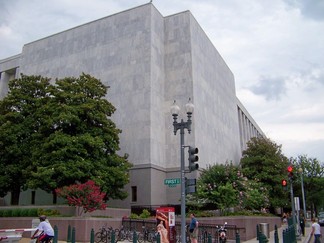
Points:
7	213
248	213
32	212
203	214
134	216
48	212
145	214
16	212
24	213
28	212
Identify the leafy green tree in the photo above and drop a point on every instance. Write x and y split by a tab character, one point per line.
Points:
79	141
17	127
264	162
227	196
219	185
224	186
313	177
69	136
254	196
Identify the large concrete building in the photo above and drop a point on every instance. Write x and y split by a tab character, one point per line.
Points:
149	61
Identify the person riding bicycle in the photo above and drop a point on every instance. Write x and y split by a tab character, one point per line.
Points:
47	232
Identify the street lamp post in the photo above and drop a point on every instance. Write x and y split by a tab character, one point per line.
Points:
300	170
295	218
294	213
182	125
290	176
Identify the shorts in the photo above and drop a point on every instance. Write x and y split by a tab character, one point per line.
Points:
194	234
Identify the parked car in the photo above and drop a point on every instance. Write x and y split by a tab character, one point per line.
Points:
321	218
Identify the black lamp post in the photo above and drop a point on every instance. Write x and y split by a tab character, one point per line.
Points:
182	125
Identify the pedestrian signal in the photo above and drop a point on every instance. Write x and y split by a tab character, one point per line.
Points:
193	158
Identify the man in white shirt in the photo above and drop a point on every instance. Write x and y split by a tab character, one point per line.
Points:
46	230
316	231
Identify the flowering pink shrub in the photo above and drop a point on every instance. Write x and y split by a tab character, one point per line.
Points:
86	196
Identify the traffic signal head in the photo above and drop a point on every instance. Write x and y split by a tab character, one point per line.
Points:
290	168
290	171
193	158
284	183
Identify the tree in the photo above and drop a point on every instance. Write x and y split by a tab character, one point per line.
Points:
17	127
264	162
254	196
80	142
219	185
86	196
313	174
225	186
69	136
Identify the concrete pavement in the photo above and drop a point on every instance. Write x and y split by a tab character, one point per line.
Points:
303	239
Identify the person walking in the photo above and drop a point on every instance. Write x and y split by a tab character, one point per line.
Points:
316	231
193	229
302	224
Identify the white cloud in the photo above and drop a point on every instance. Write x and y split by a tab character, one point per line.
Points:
5	30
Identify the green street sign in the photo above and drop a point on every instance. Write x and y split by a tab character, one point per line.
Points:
172	182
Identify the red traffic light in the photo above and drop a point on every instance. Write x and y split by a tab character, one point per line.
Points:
290	172
290	169
284	183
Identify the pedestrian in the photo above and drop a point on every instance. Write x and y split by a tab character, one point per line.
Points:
45	229
302	224
284	218
316	231
163	232
193	229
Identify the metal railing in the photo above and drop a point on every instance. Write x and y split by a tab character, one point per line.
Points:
205	230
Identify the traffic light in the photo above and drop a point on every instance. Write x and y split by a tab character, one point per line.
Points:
284	184
193	158
290	172
191	186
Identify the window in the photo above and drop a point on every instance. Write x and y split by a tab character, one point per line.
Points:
134	193
33	195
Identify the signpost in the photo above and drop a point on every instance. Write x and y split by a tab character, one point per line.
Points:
172	182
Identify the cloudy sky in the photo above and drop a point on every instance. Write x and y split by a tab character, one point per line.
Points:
275	48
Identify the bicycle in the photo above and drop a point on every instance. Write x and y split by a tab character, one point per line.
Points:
203	235
178	237
39	238
130	234
103	235
147	235
120	234
123	234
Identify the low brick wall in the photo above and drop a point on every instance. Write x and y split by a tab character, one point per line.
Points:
246	225
84	225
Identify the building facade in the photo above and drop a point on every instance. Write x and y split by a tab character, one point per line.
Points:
149	61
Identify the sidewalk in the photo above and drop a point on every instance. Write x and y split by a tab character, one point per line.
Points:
303	239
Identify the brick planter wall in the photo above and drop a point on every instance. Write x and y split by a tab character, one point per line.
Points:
83	225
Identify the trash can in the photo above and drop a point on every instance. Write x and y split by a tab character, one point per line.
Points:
264	229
